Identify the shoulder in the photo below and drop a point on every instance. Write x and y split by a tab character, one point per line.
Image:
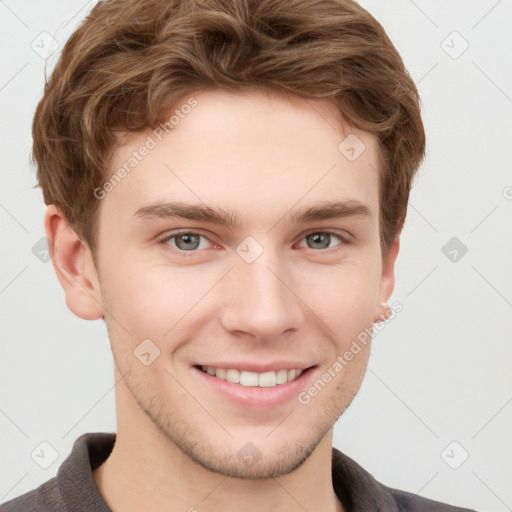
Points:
45	498
409	502
361	491
73	488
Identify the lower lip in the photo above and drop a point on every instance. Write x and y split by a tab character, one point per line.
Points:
255	396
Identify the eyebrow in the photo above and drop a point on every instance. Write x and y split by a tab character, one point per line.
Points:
324	211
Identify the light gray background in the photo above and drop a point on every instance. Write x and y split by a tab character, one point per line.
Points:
439	372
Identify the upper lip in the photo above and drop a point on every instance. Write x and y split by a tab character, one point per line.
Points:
259	367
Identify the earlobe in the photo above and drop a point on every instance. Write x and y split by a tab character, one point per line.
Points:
74	266
387	280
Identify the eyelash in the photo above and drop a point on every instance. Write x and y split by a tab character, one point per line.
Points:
167	238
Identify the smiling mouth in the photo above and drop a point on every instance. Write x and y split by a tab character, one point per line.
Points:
253	379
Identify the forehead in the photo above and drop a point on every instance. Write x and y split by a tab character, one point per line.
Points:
258	152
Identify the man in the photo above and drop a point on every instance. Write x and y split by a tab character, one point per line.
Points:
227	182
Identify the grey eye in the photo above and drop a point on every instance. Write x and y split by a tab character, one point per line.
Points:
187	241
320	240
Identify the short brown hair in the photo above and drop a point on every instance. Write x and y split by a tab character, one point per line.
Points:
131	60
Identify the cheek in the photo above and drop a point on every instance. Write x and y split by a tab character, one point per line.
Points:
154	302
344	295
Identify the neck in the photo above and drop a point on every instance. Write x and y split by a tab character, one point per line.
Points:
147	471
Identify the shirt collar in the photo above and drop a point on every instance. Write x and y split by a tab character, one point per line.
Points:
355	487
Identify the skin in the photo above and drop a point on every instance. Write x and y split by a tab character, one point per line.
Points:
260	155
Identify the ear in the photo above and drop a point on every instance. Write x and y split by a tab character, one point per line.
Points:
388	276
74	266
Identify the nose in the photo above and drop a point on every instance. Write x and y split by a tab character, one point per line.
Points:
259	300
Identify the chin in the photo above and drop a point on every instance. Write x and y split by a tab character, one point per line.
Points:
250	463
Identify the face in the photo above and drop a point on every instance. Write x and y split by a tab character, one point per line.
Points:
243	247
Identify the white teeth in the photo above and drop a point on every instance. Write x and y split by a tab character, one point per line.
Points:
233	376
248	378
253	379
282	376
267	379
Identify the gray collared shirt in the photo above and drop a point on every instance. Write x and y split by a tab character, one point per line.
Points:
74	488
